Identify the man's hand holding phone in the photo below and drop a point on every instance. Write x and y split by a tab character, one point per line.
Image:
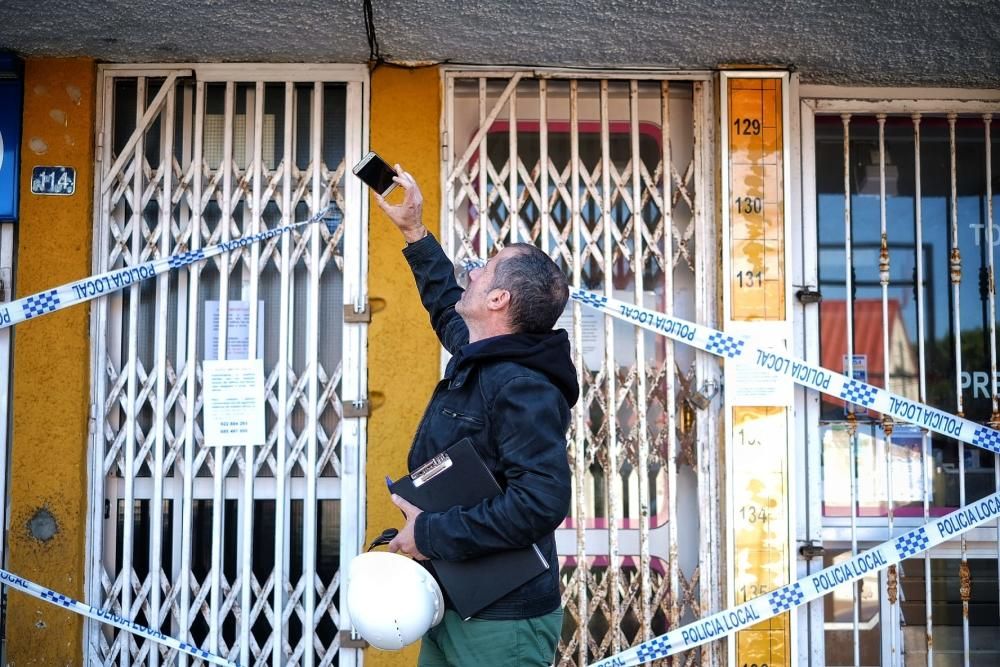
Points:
408	215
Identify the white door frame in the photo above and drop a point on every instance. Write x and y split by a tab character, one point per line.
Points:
349	484
825	99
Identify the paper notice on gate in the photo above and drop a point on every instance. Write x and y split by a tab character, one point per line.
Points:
237	329
234	402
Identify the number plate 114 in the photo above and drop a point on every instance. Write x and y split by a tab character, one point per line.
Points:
53	180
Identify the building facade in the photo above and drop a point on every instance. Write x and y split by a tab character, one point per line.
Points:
848	224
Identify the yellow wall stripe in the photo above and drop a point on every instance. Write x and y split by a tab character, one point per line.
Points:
403	353
51	374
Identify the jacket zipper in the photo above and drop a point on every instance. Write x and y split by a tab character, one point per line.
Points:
455	415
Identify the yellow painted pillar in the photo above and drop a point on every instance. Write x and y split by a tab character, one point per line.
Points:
51	373
756	275
403	352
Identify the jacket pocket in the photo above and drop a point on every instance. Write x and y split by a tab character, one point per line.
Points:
447	412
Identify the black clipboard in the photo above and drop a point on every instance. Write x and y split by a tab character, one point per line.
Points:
458	477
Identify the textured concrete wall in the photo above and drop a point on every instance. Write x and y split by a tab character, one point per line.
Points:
51	381
858	42
403	353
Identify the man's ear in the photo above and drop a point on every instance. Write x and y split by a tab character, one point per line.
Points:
498	299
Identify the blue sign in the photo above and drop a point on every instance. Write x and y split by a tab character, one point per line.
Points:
10	136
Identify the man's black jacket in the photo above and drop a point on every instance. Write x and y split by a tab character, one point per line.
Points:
511	395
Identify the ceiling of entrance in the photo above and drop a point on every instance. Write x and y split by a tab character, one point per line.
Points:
946	43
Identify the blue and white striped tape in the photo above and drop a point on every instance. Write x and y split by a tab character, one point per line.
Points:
745	351
48	595
80	291
739	349
809	588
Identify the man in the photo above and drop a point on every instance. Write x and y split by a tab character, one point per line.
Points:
509	387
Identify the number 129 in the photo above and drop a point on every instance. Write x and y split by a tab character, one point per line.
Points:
747	126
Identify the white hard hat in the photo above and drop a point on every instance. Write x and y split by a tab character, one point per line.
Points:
392	600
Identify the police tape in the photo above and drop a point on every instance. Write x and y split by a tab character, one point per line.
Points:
735	348
84	290
744	351
809	588
80	291
35	590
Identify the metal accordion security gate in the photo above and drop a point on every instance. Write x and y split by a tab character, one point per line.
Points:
235	550
899	200
611	175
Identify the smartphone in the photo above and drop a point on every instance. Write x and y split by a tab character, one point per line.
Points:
375	173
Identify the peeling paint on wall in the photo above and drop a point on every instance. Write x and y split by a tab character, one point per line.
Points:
42	525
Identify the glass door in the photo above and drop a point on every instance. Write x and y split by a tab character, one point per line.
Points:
905	242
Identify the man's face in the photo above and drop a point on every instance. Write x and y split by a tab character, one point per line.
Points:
473	304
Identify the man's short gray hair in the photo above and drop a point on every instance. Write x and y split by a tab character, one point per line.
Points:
537	286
